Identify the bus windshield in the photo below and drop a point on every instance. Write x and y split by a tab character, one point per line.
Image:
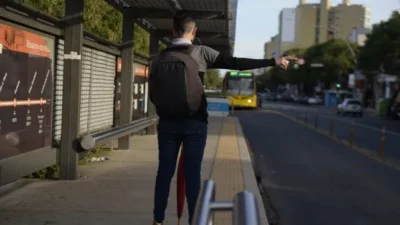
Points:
240	86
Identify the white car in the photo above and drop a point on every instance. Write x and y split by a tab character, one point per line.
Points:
314	100
350	105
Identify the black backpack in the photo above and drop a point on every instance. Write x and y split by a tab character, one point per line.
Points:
174	83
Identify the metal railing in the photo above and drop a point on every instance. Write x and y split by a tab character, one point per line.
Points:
244	207
91	140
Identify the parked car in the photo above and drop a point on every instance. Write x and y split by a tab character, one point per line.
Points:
302	100
295	98
350	105
271	97
315	100
394	106
395	111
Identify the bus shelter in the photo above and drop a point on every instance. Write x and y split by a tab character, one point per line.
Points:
73	56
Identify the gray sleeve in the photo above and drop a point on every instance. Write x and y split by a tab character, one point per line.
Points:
209	55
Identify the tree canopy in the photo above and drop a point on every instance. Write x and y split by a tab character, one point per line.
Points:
212	79
333	54
382	47
99	18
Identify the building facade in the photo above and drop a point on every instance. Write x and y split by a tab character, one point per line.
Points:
271	48
318	23
287	25
359	35
306	22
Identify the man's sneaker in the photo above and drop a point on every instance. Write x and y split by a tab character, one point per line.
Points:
155	223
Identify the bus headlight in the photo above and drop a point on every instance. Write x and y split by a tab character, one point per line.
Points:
249	100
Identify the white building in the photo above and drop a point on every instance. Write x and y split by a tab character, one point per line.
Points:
287	28
359	35
366	20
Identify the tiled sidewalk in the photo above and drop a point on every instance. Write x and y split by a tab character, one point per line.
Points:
120	191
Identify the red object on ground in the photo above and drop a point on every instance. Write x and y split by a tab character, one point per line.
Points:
180	188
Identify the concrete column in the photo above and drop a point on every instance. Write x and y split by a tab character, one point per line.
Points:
71	89
126	76
152	110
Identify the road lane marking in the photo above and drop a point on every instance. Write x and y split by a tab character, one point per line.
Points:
362	151
359	124
363	125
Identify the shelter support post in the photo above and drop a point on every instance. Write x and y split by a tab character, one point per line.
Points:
71	89
127	76
152	110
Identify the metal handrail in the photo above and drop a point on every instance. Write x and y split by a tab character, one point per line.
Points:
91	140
244	207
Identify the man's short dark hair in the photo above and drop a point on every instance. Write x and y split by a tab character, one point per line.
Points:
183	22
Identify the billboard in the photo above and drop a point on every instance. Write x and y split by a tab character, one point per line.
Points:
26	90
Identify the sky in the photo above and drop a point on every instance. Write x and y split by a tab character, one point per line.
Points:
257	21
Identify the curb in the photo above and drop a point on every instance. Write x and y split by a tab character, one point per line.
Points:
13	186
249	173
362	151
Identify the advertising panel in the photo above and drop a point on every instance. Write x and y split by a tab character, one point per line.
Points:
26	89
140	92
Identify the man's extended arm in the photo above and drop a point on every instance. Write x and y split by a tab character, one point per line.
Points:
217	60
234	63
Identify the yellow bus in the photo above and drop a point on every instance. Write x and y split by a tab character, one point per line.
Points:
240	87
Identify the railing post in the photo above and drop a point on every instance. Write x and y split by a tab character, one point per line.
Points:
351	136
203	206
151	109
382	143
331	127
244	207
126	76
245	211
316	121
71	89
306	117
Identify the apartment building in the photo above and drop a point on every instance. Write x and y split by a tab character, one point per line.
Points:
285	39
359	35
306	22
271	48
317	23
287	25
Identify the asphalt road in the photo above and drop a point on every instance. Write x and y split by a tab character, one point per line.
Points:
367	130
312	180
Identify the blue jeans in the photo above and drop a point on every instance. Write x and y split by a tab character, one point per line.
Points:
193	135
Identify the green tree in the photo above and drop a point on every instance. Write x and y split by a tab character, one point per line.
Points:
278	75
212	79
298	52
99	18
334	54
382	47
336	57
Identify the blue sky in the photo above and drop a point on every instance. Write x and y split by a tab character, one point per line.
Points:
257	21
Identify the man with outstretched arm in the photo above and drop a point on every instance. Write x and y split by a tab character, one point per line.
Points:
192	130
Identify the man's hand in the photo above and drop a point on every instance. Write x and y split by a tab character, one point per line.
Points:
283	62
